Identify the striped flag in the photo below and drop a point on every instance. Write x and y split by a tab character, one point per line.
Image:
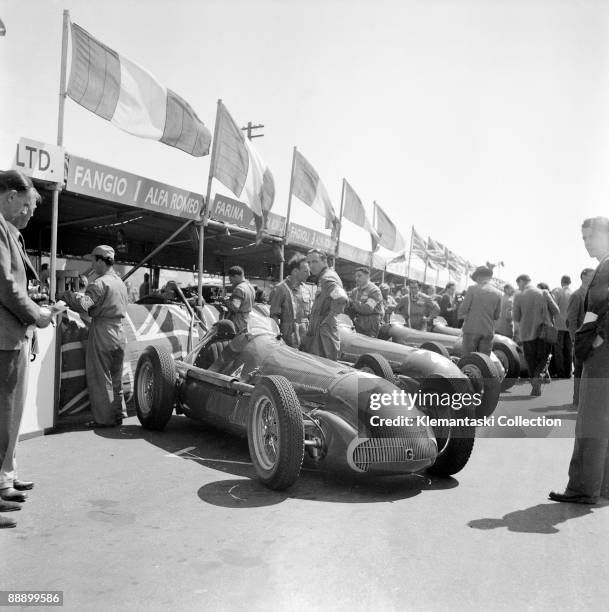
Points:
354	211
127	95
389	236
239	167
309	189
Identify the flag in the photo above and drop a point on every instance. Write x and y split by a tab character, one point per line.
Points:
239	167
437	252
354	211
418	246
309	189
127	95
389	236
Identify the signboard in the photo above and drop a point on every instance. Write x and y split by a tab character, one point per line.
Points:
40	160
106	183
231	211
351	253
303	236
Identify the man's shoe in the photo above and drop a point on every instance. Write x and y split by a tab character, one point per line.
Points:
13	495
9	506
5	523
573	498
22	485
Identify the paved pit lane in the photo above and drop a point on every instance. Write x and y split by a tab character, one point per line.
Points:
127	519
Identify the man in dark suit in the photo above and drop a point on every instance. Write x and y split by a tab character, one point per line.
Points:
532	308
18	315
575	317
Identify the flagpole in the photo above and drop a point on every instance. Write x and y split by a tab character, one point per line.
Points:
287	219
205	213
410	251
340	222
58	186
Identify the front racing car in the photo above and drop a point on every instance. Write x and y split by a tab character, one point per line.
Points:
290	404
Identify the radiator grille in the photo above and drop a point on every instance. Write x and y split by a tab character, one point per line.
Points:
391	450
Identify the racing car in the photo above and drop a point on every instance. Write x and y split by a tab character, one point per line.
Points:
448	341
290	405
422	368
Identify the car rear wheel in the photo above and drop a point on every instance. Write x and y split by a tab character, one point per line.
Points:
375	363
435	347
276	432
483	375
510	361
155	387
455	443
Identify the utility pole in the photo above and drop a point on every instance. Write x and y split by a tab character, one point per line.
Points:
249	127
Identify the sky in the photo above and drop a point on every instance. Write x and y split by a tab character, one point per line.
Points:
483	123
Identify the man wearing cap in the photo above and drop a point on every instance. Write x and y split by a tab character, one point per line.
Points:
105	301
241	300
366	304
479	310
330	299
389	303
18	315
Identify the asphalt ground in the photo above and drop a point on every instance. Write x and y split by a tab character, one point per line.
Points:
126	519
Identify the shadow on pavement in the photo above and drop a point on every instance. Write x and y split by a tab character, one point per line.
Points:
541	518
192	441
571	412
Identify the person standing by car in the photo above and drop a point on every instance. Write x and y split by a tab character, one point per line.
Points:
389	302
532	309
505	324
291	301
562	347
448	305
18	315
416	307
330	300
105	301
366	304
479	311
241	300
575	318
145	286
589	466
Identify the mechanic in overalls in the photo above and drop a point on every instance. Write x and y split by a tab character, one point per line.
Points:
291	302
366	304
105	300
330	300
241	300
417	308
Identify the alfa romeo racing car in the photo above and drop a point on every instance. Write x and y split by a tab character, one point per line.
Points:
448	341
422	368
292	405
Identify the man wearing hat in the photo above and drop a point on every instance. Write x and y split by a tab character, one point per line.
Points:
105	301
366	304
389	303
480	309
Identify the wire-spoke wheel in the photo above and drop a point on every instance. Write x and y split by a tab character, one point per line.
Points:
276	432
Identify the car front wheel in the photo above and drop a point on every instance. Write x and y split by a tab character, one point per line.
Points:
276	432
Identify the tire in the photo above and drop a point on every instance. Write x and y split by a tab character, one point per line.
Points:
455	445
479	368
274	401
435	347
510	362
376	364
155	387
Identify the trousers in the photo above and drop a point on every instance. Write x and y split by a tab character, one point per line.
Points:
480	343
589	467
536	354
13	385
